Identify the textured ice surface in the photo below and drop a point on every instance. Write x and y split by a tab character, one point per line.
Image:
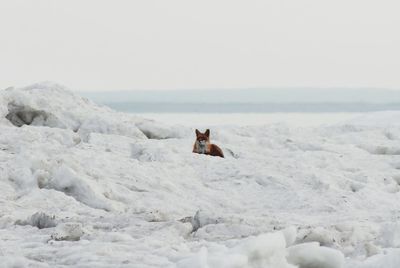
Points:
84	186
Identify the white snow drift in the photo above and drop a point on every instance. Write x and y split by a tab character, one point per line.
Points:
84	186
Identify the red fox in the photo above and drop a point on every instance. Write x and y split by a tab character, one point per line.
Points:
202	145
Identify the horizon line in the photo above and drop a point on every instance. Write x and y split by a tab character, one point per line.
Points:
244	88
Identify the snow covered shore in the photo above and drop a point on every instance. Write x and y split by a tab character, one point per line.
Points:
84	186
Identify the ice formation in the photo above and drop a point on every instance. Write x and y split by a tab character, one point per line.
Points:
85	186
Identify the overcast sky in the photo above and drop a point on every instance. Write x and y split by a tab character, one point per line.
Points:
121	45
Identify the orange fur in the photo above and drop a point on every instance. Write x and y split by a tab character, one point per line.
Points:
202	145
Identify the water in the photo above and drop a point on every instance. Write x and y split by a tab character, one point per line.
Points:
160	107
205	120
242	114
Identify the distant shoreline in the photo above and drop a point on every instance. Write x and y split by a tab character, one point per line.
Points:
146	107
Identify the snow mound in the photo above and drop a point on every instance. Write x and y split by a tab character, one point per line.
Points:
18	262
129	192
383	150
311	255
159	131
266	250
66	180
68	232
40	220
389	259
52	105
391	235
383	119
150	151
201	219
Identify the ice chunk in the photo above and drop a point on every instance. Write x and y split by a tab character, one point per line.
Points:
68	231
391	259
311	255
40	220
150	151
390	235
52	105
66	180
290	235
266	250
159	131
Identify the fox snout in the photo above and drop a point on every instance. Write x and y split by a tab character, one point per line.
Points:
202	143
202	146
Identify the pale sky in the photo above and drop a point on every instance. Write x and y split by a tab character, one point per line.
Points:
121	45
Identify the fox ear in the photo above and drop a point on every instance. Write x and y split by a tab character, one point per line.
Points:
207	132
197	132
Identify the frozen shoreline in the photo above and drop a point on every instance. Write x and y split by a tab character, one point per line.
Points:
250	119
104	194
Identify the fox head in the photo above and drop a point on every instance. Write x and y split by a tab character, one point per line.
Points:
202	141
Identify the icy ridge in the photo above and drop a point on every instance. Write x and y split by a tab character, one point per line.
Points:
84	186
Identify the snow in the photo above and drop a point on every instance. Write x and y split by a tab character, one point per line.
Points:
266	250
40	220
312	255
84	186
